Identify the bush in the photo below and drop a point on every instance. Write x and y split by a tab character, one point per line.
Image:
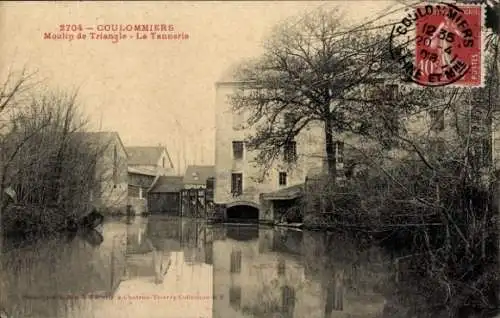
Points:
444	221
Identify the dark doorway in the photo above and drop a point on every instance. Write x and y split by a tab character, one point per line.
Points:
242	213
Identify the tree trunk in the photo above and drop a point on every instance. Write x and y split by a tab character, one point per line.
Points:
330	152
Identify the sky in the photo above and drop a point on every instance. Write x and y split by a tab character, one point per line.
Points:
150	91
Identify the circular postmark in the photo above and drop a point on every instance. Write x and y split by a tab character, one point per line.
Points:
445	47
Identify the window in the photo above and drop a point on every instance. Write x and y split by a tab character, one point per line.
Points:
163	162
140	193
236	183
437	120
282	178
235	265
290	151
340	151
238	149
235	296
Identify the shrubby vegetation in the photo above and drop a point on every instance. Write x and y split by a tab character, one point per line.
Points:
427	185
44	158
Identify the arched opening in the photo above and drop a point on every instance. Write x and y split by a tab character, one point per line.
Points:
242	213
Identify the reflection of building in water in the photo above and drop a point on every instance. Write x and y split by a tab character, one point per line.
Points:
156	238
266	276
252	280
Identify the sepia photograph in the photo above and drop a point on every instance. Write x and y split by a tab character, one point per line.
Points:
250	159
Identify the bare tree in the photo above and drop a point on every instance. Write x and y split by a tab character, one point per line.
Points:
434	192
52	167
317	72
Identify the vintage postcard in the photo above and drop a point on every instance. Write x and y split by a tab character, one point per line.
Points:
267	159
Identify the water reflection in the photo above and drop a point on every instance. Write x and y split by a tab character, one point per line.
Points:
289	273
172	267
141	268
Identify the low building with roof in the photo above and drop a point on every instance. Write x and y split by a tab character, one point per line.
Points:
145	164
196	177
164	196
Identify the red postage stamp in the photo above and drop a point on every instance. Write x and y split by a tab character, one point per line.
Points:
449	45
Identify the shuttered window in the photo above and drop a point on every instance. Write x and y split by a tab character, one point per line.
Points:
236	183
282	179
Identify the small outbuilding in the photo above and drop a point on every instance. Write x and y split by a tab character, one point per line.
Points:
164	196
282	205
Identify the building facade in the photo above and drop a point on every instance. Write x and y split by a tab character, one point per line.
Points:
239	180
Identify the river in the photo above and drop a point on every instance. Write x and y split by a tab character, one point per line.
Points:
172	267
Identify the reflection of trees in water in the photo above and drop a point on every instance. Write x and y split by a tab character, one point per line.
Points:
338	264
266	305
271	300
274	296
46	276
288	241
364	268
340	271
335	293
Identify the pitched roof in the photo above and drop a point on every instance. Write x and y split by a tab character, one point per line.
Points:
146	155
99	138
142	171
288	193
167	184
198	174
